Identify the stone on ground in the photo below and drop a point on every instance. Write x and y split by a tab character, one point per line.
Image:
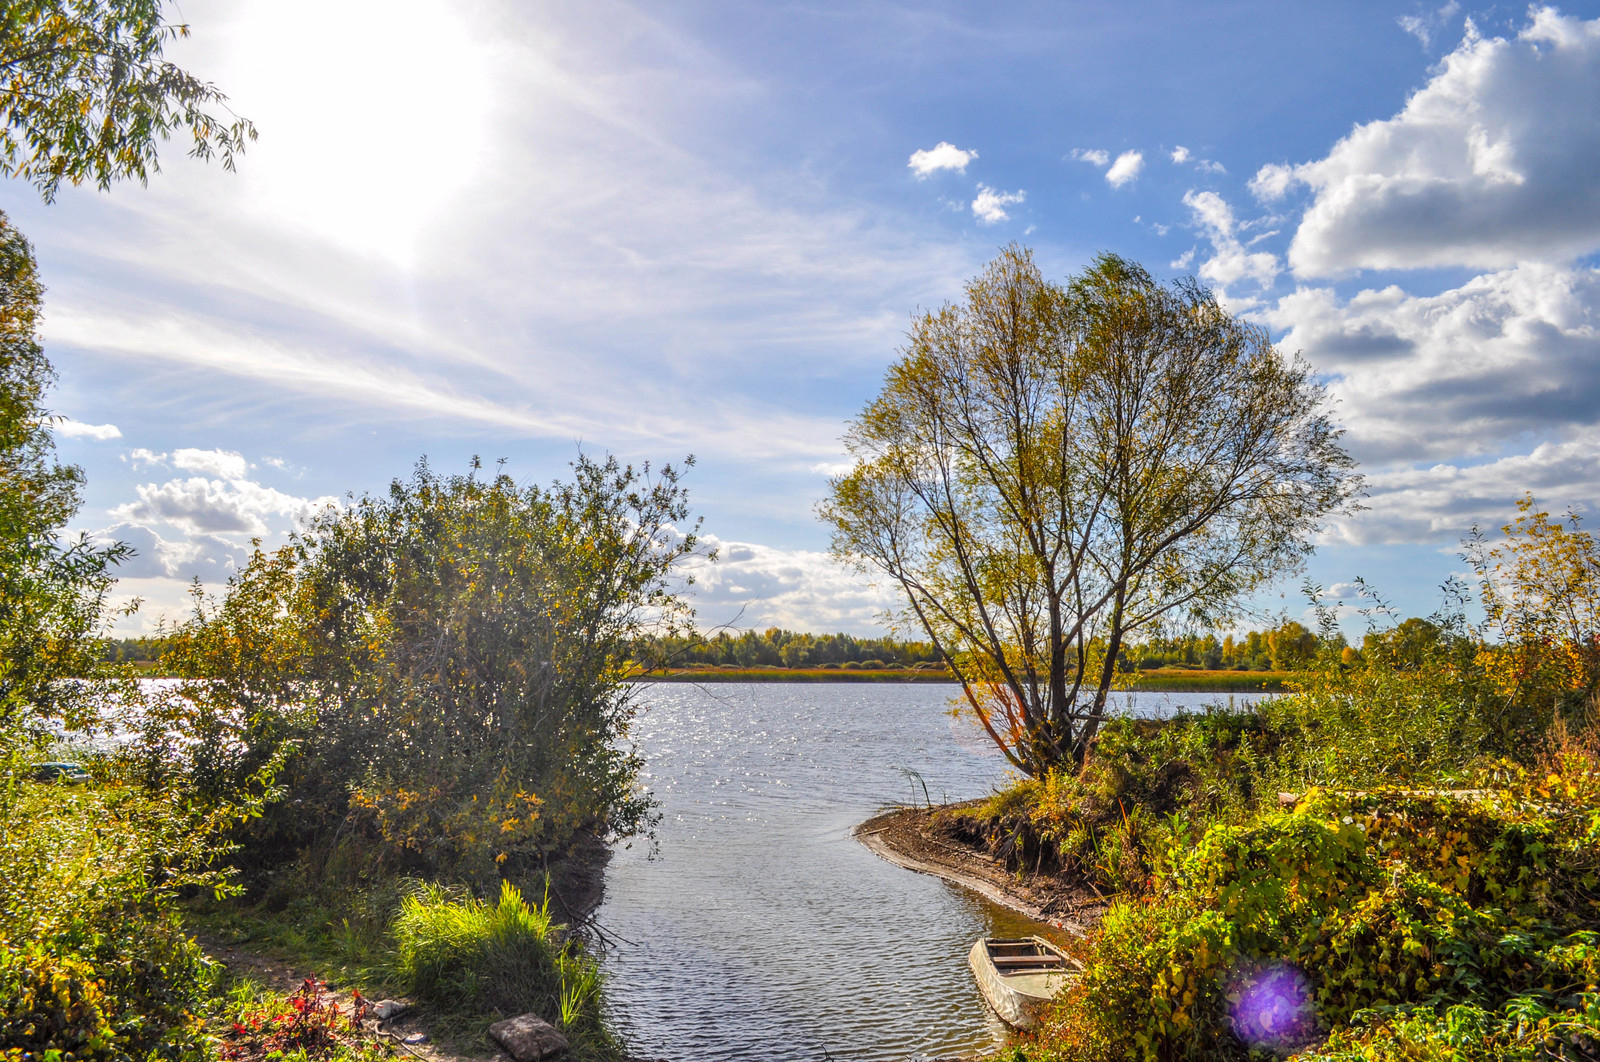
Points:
528	1038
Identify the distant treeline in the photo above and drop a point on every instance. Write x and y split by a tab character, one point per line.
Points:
1288	647
774	647
132	650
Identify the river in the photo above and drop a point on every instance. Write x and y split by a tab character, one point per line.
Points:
758	928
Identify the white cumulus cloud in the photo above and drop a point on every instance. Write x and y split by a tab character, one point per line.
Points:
1509	354
1231	261
225	464
1491	163
1093	156
1180	154
990	205
1272	182
1125	169
75	429
942	156
1441	502
199	505
212	558
140	457
764	586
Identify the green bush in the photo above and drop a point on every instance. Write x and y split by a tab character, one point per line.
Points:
1523	1031
450	663
92	960
1377	723
1374	906
130	989
1415	707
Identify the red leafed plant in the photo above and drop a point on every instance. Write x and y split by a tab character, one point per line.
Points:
309	1020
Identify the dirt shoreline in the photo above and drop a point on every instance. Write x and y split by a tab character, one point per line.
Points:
574	886
903	837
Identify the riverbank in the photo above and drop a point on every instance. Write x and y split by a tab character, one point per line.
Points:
911	838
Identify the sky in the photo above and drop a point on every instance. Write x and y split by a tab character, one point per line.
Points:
518	231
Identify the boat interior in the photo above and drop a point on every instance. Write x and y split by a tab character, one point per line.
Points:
1024	956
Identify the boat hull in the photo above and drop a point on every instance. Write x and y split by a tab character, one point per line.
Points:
1018	998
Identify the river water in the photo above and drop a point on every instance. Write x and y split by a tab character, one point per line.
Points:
759	928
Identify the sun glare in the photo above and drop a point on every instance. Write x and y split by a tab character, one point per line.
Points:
373	116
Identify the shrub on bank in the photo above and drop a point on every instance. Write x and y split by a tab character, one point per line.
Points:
1147	784
1424	716
94	964
1396	923
1358	928
449	666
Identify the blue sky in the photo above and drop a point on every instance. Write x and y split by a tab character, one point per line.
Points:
510	230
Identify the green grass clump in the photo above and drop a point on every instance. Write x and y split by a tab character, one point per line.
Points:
497	960
461	952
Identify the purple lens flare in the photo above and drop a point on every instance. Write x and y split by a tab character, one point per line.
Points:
1272	1007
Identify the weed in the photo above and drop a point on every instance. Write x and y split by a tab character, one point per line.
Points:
307	1026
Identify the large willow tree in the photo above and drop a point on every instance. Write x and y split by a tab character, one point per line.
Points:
1050	468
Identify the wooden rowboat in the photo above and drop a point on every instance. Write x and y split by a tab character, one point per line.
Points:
1020	975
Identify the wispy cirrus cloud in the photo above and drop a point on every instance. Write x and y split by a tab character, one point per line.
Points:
1181	155
1428	24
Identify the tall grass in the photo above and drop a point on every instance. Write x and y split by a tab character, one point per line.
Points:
505	958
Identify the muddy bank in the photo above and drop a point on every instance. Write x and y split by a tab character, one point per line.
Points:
577	881
908	837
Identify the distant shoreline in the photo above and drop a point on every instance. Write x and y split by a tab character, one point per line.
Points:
1164	681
